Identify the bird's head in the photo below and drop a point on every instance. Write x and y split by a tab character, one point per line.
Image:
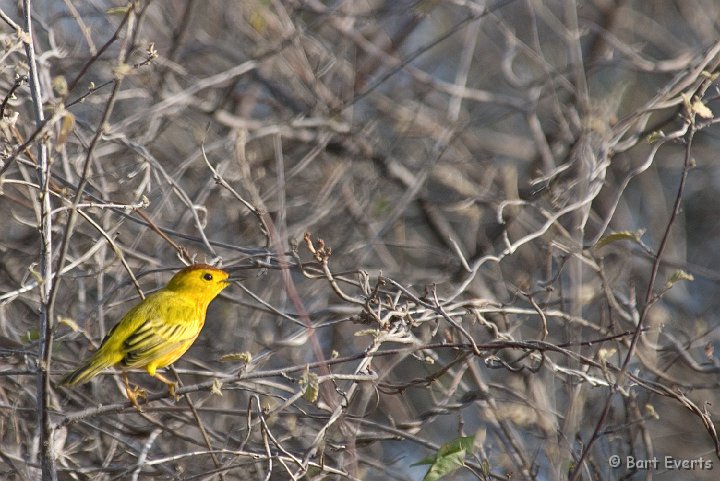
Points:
200	280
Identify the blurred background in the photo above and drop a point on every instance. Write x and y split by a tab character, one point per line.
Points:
489	226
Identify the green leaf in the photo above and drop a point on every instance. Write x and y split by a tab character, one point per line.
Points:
450	457
677	277
69	322
622	235
118	10
31	336
655	136
367	332
245	357
650	410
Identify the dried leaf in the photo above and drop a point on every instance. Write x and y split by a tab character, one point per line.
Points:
216	388
121	70
68	125
309	383
24	36
702	110
60	86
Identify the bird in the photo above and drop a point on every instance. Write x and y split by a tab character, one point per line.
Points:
157	331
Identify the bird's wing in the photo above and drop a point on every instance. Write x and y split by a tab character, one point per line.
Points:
158	328
155	339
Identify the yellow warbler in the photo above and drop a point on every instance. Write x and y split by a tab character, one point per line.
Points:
157	331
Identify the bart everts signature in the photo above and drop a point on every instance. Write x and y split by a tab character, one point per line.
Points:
669	463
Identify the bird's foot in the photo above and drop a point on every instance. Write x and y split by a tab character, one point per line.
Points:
133	395
172	386
171	390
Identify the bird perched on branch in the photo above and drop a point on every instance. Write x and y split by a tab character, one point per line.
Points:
156	332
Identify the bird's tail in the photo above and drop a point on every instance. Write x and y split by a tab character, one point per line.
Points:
86	372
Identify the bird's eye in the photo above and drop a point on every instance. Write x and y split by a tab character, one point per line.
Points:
207	276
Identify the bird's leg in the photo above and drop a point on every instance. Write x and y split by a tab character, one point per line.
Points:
134	393
170	384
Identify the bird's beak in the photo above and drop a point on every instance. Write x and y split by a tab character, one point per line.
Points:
237	273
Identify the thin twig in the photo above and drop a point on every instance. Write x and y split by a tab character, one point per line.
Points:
43	399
